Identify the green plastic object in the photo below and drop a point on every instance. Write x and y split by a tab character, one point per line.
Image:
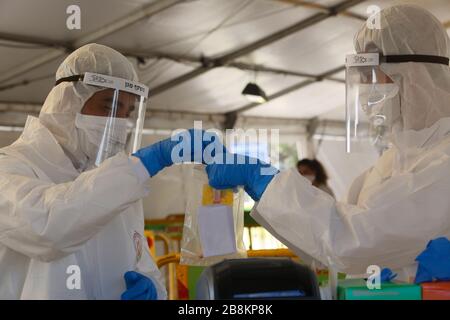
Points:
194	273
155	227
322	277
356	289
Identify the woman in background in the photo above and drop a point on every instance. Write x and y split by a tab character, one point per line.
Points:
314	172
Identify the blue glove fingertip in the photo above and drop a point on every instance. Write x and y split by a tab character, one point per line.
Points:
139	287
387	275
130	278
124	296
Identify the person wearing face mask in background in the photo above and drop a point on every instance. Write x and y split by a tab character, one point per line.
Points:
71	195
399	80
315	173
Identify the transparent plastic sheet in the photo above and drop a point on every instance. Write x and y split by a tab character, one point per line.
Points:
191	244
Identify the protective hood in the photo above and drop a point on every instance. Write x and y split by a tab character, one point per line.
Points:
424	87
68	98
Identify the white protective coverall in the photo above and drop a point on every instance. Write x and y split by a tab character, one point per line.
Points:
403	201
53	216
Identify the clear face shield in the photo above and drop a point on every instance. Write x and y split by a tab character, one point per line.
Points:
373	99
371	96
112	120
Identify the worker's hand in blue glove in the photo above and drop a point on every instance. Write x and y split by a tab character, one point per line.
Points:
434	261
186	146
139	287
236	170
387	275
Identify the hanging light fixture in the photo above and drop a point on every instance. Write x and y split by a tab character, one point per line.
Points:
254	93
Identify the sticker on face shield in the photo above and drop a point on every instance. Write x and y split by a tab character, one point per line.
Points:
96	79
362	60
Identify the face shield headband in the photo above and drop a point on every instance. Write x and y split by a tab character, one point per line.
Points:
371	95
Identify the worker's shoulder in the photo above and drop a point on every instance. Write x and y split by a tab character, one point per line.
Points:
10	164
440	150
444	145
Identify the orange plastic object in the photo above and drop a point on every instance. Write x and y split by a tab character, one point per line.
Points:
182	282
436	290
150	236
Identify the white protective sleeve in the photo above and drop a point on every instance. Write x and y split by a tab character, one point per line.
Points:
148	267
389	230
47	221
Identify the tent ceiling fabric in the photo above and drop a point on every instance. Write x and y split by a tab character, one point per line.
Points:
36	91
209	28
17	56
196	29
217	91
47	18
304	50
157	71
309	102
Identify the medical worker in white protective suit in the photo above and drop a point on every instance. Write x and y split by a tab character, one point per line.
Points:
400	204
71	219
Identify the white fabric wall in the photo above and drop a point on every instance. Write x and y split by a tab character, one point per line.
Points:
343	168
167	188
168	192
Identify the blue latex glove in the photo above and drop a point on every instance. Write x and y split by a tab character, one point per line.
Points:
387	275
434	261
139	287
254	177
169	151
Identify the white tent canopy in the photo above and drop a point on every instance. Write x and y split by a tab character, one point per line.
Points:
197	55
168	39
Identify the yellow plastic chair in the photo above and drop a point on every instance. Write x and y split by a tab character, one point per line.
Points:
158	236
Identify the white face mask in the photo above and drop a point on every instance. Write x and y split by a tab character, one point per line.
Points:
382	107
310	177
374	96
93	137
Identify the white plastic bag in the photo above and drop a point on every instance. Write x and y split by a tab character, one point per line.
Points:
213	223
